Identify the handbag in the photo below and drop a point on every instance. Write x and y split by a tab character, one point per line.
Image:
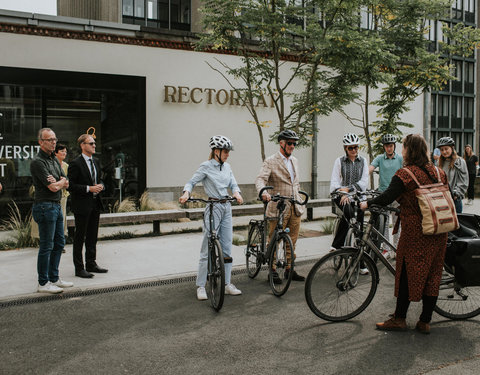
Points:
436	206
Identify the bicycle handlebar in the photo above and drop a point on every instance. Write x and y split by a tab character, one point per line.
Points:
212	200
278	197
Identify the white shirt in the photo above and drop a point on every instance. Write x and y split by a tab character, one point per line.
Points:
289	165
337	180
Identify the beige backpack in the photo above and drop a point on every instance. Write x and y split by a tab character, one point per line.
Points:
436	205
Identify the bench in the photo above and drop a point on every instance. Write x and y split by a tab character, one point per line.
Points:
155	217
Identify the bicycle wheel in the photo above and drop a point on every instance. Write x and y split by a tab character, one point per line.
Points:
253	251
339	293
455	302
216	275
281	262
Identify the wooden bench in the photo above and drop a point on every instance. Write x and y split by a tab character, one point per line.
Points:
156	217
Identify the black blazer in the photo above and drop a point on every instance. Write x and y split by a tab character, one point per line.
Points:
79	178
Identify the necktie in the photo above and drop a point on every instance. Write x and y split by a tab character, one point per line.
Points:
92	171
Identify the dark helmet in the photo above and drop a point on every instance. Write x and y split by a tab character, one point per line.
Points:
389	138
287	134
445	141
220	141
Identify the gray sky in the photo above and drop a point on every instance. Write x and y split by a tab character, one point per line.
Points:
32	6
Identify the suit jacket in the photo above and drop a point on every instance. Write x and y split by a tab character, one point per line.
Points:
79	178
274	173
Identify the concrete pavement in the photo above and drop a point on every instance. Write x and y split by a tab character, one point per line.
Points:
144	259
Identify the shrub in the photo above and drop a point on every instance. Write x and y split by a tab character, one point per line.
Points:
146	203
21	228
328	225
127	205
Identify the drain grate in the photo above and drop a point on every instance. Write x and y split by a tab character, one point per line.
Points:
119	288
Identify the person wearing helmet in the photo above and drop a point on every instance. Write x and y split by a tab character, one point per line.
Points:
455	168
387	163
350	173
280	170
217	177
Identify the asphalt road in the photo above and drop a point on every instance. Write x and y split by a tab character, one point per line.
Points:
165	330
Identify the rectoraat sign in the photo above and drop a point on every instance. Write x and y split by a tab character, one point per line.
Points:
197	95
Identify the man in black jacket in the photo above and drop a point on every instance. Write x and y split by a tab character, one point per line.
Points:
85	188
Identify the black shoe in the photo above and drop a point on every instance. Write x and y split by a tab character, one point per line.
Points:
276	278
295	276
84	274
96	269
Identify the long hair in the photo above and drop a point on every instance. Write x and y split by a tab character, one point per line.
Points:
416	150
465	155
452	158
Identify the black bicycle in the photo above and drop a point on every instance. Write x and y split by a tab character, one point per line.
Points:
279	251
216	269
335	291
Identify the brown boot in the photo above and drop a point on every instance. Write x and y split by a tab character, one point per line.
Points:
423	327
393	324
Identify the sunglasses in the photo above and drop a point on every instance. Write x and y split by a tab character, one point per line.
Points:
292	143
90	143
351	148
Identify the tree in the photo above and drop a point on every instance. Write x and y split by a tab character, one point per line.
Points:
280	43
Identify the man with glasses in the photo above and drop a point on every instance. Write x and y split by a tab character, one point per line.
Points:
281	171
49	181
85	189
350	173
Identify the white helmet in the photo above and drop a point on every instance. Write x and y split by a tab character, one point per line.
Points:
350	139
222	142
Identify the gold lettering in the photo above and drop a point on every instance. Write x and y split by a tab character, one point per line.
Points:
261	99
272	102
192	95
225	101
210	95
171	96
182	93
234	99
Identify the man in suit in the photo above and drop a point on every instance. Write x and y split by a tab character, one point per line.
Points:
280	170
86	205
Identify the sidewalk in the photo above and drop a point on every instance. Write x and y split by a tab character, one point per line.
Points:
147	259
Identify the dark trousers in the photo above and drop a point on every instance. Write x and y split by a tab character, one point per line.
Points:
403	302
348	213
471	186
86	231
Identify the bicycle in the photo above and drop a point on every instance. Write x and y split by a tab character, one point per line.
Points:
335	291
215	286
279	252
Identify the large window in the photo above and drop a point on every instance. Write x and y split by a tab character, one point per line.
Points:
113	107
166	14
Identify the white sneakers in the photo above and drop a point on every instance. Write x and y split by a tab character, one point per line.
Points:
229	289
201	293
232	290
49	288
470	202
364	271
63	284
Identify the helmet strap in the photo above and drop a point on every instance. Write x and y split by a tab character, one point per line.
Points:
219	157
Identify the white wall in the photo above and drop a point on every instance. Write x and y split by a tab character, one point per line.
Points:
178	134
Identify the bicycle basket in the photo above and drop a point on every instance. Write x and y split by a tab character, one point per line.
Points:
463	256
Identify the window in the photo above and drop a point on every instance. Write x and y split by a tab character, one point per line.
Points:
443	111
457	83
167	14
469	77
468	120
456	111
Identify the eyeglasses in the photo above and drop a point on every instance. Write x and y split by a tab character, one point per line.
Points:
292	143
51	140
90	143
351	148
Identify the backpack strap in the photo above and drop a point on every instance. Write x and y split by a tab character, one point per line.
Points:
412	175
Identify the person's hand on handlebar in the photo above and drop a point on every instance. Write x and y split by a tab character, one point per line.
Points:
184	197
344	199
238	197
363	206
266	197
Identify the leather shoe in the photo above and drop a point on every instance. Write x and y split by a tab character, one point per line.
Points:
295	276
84	274
423	327
96	269
276	279
393	324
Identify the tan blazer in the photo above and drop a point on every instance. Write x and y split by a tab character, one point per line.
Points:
274	173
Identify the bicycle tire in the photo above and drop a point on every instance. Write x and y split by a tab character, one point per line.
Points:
455	302
216	275
253	251
326	294
280	262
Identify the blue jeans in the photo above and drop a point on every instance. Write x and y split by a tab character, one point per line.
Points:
49	218
458	205
222	222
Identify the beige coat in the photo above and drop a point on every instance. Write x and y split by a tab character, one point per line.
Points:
274	173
